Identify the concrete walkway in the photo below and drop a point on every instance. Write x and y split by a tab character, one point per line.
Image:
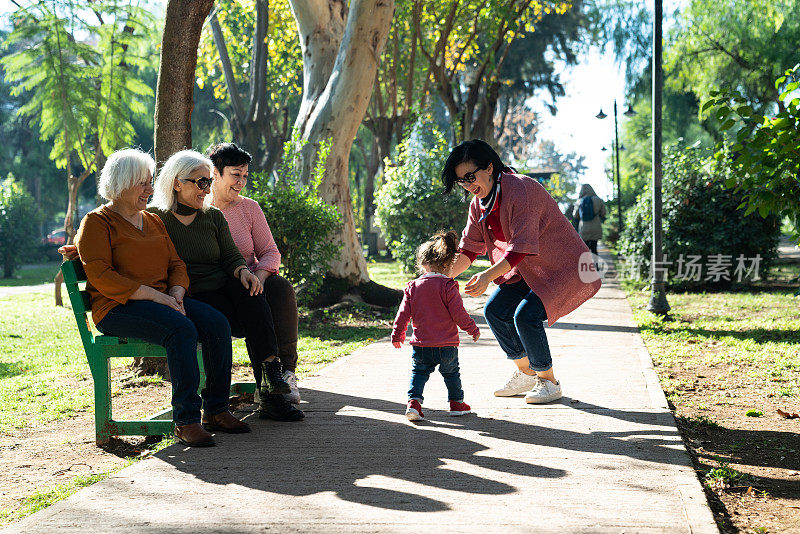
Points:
606	458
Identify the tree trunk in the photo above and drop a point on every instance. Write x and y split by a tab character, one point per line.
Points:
176	75
338	112
321	27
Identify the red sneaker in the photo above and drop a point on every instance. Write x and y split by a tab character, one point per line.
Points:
414	410
459	408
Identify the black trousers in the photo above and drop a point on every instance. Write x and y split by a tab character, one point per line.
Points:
592	244
250	317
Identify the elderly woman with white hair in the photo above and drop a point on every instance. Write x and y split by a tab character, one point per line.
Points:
218	273
137	285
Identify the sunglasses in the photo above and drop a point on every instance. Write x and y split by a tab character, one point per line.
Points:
469	177
201	183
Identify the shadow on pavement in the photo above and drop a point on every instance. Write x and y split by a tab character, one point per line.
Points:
348	445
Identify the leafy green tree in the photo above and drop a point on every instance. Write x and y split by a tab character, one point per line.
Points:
766	149
250	55
80	95
743	45
19	224
410	204
701	219
469	48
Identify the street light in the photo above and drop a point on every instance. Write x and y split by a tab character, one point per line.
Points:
628	113
658	298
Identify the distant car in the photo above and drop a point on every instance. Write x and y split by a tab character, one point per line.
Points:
56	237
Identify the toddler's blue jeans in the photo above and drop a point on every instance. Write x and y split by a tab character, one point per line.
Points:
516	317
425	361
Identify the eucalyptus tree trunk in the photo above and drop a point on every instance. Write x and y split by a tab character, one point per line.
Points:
176	75
336	112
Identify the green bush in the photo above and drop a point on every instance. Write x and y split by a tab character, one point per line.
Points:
410	204
19	224
700	218
301	222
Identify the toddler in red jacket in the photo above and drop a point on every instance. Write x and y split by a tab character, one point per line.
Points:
433	305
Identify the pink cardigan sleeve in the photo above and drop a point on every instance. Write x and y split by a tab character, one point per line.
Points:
268	257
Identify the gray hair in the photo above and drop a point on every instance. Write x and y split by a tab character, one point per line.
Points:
179	165
123	170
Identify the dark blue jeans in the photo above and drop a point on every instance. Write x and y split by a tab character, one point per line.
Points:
516	317
425	361
178	334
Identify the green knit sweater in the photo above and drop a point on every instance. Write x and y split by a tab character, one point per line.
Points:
205	246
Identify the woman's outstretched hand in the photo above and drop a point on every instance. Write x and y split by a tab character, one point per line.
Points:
477	285
397	344
250	282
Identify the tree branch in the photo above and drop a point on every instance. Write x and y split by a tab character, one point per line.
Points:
227	69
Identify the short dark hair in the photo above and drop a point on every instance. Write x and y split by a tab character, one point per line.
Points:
227	155
475	151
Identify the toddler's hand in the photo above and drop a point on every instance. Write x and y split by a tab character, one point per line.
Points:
476	336
397	344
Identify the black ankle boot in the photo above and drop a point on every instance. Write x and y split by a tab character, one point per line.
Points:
272	379
278	408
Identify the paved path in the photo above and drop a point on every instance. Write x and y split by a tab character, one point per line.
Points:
607	458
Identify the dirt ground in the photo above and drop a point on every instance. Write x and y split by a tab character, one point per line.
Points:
36	459
765	449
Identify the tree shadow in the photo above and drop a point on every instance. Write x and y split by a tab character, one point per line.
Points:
348	445
11	369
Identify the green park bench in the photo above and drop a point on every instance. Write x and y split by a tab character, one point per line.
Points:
100	349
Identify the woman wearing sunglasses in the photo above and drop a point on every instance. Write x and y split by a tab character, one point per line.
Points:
218	273
537	262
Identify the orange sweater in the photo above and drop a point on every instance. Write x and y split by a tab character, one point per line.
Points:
118	258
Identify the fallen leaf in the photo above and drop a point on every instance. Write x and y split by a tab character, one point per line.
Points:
787	415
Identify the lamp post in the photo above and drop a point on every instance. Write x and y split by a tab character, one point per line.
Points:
601	115
658	298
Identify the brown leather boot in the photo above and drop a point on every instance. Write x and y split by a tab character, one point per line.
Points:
225	422
194	435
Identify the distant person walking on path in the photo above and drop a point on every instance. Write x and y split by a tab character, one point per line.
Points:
254	240
137	285
536	261
434	306
590	212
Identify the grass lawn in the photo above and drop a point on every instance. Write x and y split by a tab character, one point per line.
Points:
31	275
727	362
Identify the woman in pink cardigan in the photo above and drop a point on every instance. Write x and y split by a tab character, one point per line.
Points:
254	240
539	262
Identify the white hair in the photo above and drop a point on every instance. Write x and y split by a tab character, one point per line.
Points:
123	170
179	165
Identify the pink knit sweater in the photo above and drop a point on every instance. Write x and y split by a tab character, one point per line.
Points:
433	304
252	235
533	224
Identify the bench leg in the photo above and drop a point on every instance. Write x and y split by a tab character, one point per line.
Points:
101	374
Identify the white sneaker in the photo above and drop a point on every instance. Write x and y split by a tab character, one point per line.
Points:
517	385
294	393
544	391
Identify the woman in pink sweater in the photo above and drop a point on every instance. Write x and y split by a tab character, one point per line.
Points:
541	266
254	240
434	305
